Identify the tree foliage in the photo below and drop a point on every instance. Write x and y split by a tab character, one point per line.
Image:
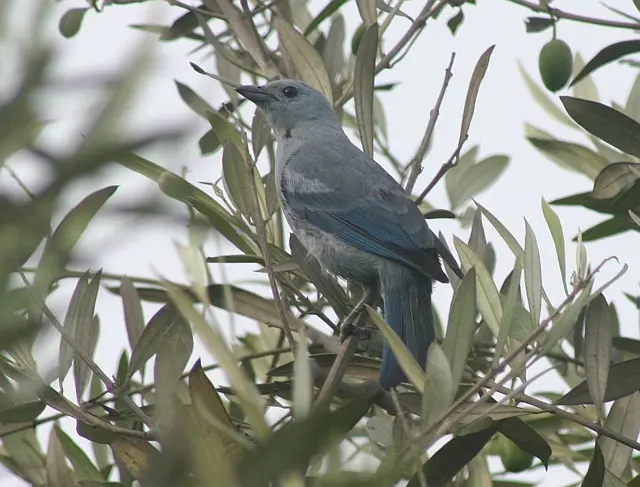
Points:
301	404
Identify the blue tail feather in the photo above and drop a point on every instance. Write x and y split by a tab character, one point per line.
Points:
407	309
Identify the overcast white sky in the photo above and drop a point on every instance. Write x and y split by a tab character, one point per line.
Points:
105	43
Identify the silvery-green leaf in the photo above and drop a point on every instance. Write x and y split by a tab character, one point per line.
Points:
306	60
624	419
555	228
532	274
461	325
472	93
487	295
363	86
597	350
439	388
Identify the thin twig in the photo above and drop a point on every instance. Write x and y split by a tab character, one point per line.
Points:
87	359
451	162
95	402
561	14
550	408
261	230
339	366
442	423
427	12
416	162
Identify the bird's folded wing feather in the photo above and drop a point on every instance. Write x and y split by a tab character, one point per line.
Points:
379	222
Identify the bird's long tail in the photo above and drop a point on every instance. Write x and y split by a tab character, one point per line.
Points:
407	309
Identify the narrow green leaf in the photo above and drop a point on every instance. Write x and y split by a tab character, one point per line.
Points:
327	11
538	24
472	93
452	457
86	338
635	217
475	178
595	474
71	21
100	451
304	57
21	413
487	295
236	259
212	438
178	188
364	75
133	314
506	235
225	131
585	89
623	379
289	447
606	228
597	351
624	419
555	228
512	300
174	347
532	274
66	236
461	326
65	352
58	473
541	96
452	178
477	238
439	387
193	100
564	323
456	21
605	123
571	156
302	381
163	326
332	51
245	389
615	179
260	133
368	12
83	467
527	439
607	55
236	180
243	32
632	107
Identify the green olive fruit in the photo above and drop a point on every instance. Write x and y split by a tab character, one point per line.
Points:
556	64
513	458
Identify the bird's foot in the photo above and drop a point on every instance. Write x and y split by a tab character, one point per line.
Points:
350	329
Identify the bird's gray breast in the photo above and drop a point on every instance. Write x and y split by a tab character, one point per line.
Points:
333	253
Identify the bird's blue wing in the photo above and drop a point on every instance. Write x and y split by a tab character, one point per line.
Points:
380	222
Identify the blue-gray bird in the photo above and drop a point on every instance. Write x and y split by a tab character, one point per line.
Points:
352	215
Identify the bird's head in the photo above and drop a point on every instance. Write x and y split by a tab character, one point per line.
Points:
289	105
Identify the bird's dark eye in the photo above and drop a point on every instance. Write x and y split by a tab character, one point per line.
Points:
290	91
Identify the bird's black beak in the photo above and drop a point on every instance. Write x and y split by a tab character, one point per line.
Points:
256	94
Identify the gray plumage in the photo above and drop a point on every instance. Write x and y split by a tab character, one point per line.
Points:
352	215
